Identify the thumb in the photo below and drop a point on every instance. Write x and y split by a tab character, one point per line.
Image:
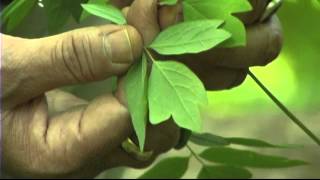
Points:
90	54
83	55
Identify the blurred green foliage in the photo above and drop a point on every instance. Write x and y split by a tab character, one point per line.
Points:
292	77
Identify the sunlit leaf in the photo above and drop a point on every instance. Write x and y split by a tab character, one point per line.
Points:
190	37
136	94
220	9
105	11
175	91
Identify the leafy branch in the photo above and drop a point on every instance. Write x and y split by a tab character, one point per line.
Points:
202	30
218	161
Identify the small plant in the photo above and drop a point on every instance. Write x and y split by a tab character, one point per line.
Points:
148	95
201	30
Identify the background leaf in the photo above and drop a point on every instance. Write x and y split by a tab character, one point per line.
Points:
245	158
59	12
75	8
223	10
190	37
168	2
174	90
170	168
207	139
224	172
256	143
15	13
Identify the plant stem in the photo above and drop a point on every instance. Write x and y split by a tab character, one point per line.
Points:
194	154
285	109
149	54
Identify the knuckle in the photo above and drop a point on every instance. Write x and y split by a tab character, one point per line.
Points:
274	47
75	54
274	42
166	135
142	164
239	79
254	15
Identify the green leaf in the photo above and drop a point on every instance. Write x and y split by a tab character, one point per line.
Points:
75	8
168	2
136	94
60	11
224	172
253	143
15	13
170	168
175	91
105	11
190	37
245	158
85	14
57	14
220	9
207	139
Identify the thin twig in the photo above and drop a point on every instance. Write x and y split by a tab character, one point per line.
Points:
194	154
285	109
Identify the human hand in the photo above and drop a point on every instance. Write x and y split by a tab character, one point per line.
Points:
219	68
55	134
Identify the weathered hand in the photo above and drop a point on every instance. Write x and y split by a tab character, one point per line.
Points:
219	68
55	134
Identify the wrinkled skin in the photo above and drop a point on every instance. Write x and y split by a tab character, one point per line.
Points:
55	134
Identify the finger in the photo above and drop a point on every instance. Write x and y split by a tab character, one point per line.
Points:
96	129
66	142
170	15
160	139
264	42
125	11
83	55
217	78
258	8
121	3
60	101
143	15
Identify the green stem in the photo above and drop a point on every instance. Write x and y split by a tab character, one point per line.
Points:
149	54
285	109
194	154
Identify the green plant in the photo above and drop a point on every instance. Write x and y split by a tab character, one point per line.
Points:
202	31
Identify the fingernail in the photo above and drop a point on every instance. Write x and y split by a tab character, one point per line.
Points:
123	45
